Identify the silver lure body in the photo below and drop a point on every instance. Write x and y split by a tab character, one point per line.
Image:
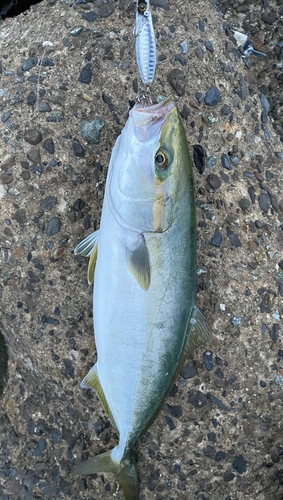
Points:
145	43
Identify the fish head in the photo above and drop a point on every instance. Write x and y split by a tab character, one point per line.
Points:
149	172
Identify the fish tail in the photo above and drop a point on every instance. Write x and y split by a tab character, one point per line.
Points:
124	471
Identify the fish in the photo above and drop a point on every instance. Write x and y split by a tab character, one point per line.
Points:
143	266
145	42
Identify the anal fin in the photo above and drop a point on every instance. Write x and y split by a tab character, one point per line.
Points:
92	381
89	248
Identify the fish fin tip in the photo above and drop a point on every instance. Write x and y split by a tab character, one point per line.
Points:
138	263
124	471
86	246
199	331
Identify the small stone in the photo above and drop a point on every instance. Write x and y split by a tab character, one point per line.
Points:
269	17
244	88
20	216
170	423
78	205
188	372
6	178
234	238
199	97
220	455
214	181
236	321
33	136
234	160
225	162
25	175
274	202
217	401
201	25
34	156
177	80
78	149
5	117
44	107
245	204
160	3
55	117
53	226
212	161
224	177
90	16
240	464
197	399
86	74
251	192
176	411
262	384
28	64
199	158
76	31
46	62
217	239
212	97
209	46
207	356
209	451
90	129
184	47
185	113
48	145
274	335
48	202
264	202
228	476
199	53
225	110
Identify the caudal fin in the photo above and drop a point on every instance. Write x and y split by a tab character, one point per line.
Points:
124	471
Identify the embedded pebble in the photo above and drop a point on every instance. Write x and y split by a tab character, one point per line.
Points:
225	162
90	129
86	74
53	226
214	181
264	202
49	146
236	321
48	202
217	239
212	97
234	238
33	136
177	80
207	356
199	158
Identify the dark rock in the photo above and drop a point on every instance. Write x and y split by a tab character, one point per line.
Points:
219	373
244	87
264	202
217	239
220	455
40	448
5	117
20	216
55	117
90	16
214	181
34	156
37	169
217	401
234	238
240	464
224	177
274	202
245	204
225	110
199	158
207	356
199	53
269	17
185	113
44	107
28	64
86	74
107	9
33	136
108	101
177	80
170	423
78	149
78	205
6	178
160	3
211	436
197	399
48	145
199	97
209	451
262	384
280	264
228	476
209	46
188	372
53	226
251	192
47	62
212	97
225	162
76	31
48	203
274	335
176	411
90	129
25	175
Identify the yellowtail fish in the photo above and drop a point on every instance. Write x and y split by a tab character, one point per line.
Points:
143	264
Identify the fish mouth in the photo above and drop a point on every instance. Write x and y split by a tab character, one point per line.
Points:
149	120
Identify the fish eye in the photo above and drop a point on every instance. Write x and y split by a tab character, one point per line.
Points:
161	160
142	6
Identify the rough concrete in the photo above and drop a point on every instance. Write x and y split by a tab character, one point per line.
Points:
220	433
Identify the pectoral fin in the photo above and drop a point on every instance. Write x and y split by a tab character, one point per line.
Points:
138	263
198	332
89	248
92	381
